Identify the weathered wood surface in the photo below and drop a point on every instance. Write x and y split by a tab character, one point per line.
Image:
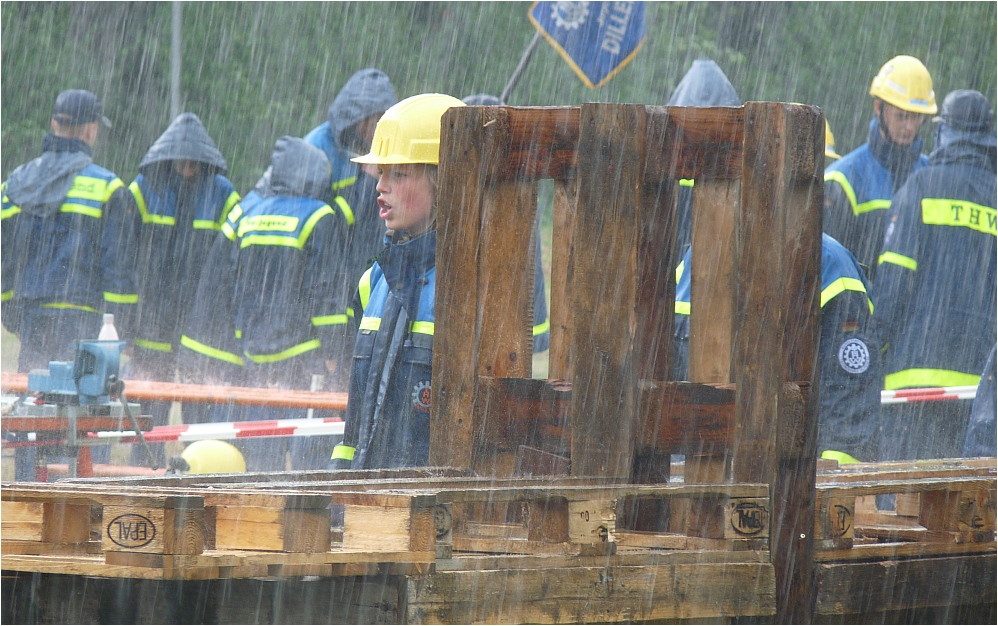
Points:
706	142
562	277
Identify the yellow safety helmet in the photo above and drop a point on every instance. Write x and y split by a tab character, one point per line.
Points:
830	143
211	456
905	83
409	132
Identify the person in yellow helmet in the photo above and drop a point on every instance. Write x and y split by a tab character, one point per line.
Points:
859	186
388	410
830	143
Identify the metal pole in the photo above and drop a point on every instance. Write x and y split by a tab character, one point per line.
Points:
175	61
520	67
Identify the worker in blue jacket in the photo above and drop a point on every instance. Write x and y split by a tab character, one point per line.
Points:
981	438
936	281
859	186
704	85
65	227
388	411
849	357
542	321
181	201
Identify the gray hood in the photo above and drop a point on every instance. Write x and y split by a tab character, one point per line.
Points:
39	187
186	139
367	93
705	85
297	168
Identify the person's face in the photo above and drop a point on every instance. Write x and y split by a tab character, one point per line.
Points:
187	169
365	128
406	198
902	126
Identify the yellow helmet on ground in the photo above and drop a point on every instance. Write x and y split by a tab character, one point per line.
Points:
830	143
211	456
905	83
409	132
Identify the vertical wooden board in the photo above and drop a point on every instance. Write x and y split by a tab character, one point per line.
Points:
22	521
460	182
376	528
153	531
592	521
561	311
66	523
249	528
546	520
607	235
713	279
306	530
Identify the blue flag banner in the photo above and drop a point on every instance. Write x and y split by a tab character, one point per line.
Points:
596	39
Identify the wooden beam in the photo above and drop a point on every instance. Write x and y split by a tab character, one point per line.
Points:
607	236
543	143
562	252
708	143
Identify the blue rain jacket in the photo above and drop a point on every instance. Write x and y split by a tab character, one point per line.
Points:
981	438
65	229
849	354
388	412
858	192
177	222
935	284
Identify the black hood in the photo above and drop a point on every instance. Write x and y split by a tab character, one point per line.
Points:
705	85
954	145
297	168
185	139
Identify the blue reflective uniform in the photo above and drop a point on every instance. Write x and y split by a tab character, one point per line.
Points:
858	192
849	356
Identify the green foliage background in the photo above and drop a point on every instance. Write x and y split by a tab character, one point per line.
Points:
255	71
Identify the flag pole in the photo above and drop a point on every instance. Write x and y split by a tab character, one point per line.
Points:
521	66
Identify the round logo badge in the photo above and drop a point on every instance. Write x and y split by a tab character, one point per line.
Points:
421	396
854	356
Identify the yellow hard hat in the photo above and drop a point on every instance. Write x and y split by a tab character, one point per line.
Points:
211	456
830	143
409	132
904	82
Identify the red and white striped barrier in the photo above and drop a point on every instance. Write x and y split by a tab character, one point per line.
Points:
928	394
231	430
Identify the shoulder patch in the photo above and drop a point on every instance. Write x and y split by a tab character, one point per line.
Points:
854	356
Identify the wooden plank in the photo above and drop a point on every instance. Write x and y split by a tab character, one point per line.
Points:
635	557
562	273
260	528
607	235
924	485
685	417
388	529
592	595
153	530
961	511
463	157
542	142
22	521
707	143
844	589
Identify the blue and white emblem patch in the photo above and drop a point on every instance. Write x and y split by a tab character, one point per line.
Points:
854	356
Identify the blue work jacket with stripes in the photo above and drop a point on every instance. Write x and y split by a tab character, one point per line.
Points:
175	235
64	243
849	355
388	412
935	285
858	192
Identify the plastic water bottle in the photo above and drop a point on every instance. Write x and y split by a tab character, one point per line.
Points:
108	331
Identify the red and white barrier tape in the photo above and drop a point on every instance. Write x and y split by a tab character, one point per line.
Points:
928	394
231	430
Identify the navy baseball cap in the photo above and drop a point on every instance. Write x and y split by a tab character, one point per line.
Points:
78	106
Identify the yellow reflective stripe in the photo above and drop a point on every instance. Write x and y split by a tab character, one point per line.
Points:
841	457
898	259
370	323
840	285
11	212
281	223
423	328
293	351
207	350
343	452
227	207
270	240
67	305
857	209
679	270
206	225
350	311
115	185
926	377
346	182
329	320
235	213
345	209
239	334
159	346
82	209
7	295
685	182
943	212
312	221
542	328
228	232
682	308
121	298
90	188
364	287
147	217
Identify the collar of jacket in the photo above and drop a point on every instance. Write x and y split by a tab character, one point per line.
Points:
405	266
51	143
974	148
896	159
